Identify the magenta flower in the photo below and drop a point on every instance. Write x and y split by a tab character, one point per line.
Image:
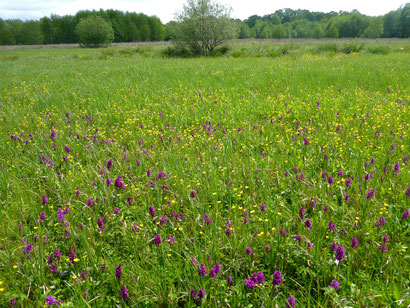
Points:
354	242
202	270
157	239
290	303
152	211
277	278
124	292
334	284
109	164
249	251
44	199
118	271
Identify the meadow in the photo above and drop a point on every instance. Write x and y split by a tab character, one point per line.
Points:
276	175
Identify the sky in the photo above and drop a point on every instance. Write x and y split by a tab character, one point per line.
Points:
166	9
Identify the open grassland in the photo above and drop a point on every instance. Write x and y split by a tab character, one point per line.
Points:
253	179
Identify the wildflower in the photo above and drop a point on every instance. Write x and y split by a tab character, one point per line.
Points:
42	216
193	193
340	173
302	212
12	302
201	293
382	247
250	284
119	183
386	239
53	268
334	284
100	224
108	182
308	223
313	203
149	172
212	272
405	215
340	253
129	200
207	219
282	232
53	134
330	180
298	238
229	279
263	207
157	239
118	271
124	292
370	194
27	249
290	303
152	210
348	182
354	242
408	192
249	251
217	267
309	245
306	141
277	278
228	232
44	199
324	174
396	168
170	240
50	301
202	270
331	226
194	295
102	267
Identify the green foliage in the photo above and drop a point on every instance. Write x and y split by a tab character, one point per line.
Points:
381	50
94	31
352	47
187	114
328	47
202	26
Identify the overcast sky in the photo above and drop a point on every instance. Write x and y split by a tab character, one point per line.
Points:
165	9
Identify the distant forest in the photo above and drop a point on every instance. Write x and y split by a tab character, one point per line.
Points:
285	23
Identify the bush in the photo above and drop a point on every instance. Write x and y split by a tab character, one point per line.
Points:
176	52
330	47
352	47
381	50
94	31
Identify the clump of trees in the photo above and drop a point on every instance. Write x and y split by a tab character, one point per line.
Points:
285	23
203	25
128	27
94	31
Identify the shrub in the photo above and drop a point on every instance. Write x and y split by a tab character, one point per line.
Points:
352	47
382	50
94	31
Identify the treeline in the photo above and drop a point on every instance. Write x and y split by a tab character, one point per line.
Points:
128	27
285	23
289	23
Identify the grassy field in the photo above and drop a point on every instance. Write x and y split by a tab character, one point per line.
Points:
273	174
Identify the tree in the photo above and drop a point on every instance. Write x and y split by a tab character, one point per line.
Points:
6	37
94	31
332	31
375	28
203	25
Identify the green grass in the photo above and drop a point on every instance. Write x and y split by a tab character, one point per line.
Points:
224	130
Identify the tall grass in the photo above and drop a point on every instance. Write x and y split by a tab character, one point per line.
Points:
229	135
